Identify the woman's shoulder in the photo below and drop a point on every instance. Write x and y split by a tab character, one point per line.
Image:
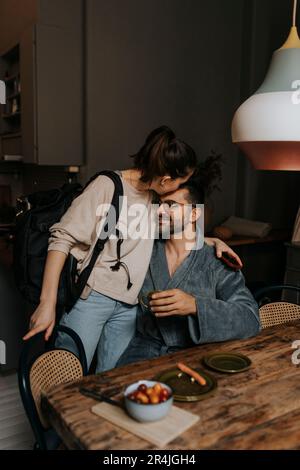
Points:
101	183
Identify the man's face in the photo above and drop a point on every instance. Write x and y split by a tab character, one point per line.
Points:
174	213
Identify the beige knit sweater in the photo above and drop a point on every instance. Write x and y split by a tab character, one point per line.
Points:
77	230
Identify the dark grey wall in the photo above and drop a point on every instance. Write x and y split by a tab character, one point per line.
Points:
156	62
187	64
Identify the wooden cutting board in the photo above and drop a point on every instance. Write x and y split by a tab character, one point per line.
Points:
159	433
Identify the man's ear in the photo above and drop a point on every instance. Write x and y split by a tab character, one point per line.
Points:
196	214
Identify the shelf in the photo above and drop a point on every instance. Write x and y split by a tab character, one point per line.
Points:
11	115
11	77
12	54
11	135
14	95
274	236
10	167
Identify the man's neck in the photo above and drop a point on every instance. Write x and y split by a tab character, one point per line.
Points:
183	245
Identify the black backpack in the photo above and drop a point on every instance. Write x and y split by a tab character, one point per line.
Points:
45	208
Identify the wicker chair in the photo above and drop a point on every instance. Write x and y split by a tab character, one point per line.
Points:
278	312
38	374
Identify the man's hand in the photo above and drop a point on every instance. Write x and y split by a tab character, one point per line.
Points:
172	302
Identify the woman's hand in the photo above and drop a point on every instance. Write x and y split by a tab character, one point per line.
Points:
43	319
172	302
221	248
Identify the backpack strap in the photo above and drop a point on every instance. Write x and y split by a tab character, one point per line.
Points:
120	263
107	229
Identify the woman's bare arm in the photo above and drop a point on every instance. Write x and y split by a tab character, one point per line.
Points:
43	318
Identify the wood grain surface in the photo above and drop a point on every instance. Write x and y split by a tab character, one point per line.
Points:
255	409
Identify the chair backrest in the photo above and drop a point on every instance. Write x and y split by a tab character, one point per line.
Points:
261	295
276	313
52	368
42	370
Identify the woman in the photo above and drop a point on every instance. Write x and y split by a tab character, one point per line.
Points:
104	316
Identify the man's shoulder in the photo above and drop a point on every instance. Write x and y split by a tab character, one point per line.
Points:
207	255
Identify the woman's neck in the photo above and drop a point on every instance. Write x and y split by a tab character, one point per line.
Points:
132	176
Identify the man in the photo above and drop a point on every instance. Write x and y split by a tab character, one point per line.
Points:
200	299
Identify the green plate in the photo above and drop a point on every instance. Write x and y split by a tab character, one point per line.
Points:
227	362
183	388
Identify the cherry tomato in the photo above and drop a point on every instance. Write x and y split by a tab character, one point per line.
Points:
154	399
164	394
157	387
142	398
149	391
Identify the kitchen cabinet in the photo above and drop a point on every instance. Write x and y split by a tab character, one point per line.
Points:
14	317
51	79
46	128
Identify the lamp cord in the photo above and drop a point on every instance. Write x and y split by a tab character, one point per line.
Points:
294	12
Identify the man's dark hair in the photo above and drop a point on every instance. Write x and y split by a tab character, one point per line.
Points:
194	186
164	154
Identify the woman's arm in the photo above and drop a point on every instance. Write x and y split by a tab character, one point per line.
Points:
78	225
221	248
43	318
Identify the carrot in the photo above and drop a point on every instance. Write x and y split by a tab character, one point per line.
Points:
187	370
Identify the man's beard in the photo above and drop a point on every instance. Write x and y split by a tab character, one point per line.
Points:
165	231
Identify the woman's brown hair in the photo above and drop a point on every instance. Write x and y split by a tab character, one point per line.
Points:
164	154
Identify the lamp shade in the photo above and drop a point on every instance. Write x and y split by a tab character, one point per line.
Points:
266	127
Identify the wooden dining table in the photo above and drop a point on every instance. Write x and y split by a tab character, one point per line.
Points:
255	409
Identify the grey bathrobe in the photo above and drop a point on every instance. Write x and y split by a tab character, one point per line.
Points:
226	309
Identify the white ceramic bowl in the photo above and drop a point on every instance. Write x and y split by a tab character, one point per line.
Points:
149	411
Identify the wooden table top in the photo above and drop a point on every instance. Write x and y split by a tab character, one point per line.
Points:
255	409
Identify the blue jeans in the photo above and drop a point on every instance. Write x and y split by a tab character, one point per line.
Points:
142	347
103	324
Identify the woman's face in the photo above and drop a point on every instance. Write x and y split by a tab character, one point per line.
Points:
165	184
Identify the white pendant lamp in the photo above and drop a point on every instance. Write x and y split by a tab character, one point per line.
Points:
266	127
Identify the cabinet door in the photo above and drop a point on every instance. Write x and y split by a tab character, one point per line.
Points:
13	315
59	95
28	95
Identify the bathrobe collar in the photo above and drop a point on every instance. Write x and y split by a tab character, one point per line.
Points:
159	266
